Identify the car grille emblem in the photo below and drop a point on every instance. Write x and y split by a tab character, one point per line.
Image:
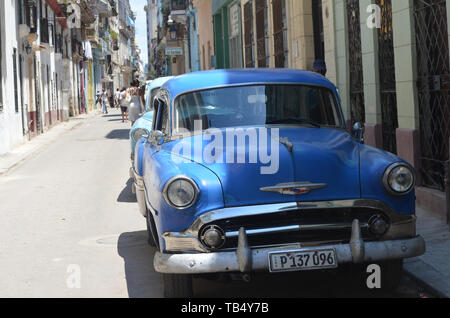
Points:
296	188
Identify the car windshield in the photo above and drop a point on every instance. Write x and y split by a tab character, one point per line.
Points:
257	105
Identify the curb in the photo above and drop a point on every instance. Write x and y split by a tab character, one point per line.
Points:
40	145
427	277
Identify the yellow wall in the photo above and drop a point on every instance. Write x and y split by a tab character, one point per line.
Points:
205	32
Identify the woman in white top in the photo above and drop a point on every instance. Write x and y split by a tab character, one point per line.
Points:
135	109
123	104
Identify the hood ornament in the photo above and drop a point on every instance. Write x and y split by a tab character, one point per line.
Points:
289	145
294	188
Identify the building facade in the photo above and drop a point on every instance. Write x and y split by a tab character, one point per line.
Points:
54	56
390	60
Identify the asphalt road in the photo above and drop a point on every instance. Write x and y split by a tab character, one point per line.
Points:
71	228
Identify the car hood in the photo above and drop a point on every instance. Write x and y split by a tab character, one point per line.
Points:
148	116
329	157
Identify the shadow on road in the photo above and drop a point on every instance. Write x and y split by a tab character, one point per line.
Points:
118	119
119	134
115	115
142	280
127	195
319	284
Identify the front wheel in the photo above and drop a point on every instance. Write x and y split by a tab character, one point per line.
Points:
177	286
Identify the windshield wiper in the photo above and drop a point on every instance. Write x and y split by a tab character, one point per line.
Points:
294	120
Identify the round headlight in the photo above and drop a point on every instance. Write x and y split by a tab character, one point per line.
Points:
180	192
139	133
398	179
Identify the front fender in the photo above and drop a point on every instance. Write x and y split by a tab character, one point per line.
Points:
373	164
157	169
145	122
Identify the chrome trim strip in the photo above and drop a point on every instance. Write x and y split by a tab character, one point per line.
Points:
400	225
288	188
295	228
255	210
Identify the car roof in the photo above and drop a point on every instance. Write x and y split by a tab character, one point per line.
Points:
158	82
218	78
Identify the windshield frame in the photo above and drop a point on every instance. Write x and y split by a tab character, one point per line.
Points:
340	126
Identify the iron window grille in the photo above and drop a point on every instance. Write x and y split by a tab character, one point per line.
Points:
248	39
355	62
387	77
280	33
433	85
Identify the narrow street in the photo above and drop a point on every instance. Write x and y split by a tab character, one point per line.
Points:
70	208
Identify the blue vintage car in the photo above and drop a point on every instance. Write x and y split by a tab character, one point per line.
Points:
253	170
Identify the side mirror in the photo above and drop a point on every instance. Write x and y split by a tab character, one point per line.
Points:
358	132
156	137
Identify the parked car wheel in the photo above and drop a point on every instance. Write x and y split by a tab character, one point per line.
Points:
177	286
150	228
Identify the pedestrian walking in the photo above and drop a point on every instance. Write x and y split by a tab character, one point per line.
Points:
111	99
98	100
135	96
123	104
117	97
104	99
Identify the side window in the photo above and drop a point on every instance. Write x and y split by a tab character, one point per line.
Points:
156	106
165	119
161	116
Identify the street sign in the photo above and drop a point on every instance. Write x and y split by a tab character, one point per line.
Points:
174	51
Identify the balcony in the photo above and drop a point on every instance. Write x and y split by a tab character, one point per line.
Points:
92	33
77	50
179	5
104	8
126	29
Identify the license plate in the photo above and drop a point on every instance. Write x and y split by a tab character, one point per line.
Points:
289	261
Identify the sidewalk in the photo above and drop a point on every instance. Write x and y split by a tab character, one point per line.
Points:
24	151
433	268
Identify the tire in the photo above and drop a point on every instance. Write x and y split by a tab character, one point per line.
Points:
177	286
150	239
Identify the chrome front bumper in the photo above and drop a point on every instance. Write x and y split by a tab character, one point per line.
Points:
246	260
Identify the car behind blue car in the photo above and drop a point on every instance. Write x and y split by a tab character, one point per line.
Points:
143	125
253	170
